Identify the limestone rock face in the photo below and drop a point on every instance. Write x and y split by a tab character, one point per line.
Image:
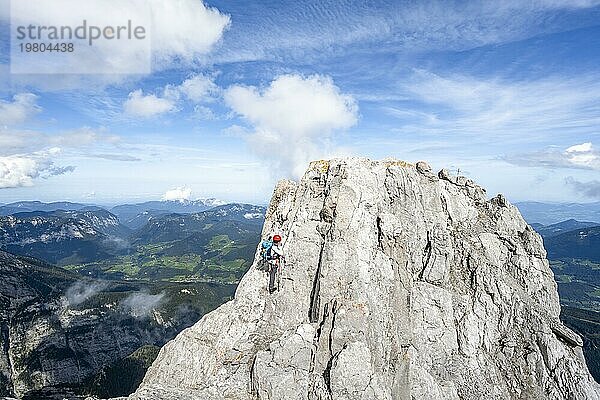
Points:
399	284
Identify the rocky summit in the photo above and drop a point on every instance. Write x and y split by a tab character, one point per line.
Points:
399	284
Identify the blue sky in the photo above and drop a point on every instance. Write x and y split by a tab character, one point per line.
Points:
507	93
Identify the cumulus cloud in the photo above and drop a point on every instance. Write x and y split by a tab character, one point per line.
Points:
583	155
589	189
185	28
293	118
198	88
177	31
205	113
141	305
146	106
81	291
579	156
178	194
21	170
21	108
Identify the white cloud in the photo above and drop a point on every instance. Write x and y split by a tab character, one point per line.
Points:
22	170
205	113
177	31
583	155
294	118
27	155
178	194
141	305
580	156
580	148
146	106
22	107
185	28
199	88
80	291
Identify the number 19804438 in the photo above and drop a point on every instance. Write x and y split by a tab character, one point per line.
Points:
46	47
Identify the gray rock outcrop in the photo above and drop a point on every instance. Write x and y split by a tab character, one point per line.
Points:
399	284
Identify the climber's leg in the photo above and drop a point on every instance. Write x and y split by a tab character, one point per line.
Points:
272	273
279	270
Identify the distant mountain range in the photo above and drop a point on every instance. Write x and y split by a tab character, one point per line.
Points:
136	215
548	231
171	227
552	213
29	206
131	215
218	243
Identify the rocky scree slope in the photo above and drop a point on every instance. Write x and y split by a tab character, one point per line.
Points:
400	284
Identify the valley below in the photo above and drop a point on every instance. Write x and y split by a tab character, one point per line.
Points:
88	300
574	252
90	295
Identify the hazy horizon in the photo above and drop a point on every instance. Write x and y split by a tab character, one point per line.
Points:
136	200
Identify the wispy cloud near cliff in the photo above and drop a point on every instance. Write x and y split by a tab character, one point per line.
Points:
141	305
81	291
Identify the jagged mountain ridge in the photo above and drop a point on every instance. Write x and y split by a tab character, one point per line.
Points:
399	284
62	236
179	226
23	283
20	228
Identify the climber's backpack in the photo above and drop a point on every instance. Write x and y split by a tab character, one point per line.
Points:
265	251
265	255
